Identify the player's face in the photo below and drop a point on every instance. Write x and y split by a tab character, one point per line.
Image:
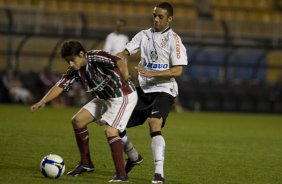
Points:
77	62
161	19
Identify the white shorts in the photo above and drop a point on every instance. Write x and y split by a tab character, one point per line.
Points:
114	111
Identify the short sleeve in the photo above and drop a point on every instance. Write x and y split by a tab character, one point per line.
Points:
67	79
134	45
178	51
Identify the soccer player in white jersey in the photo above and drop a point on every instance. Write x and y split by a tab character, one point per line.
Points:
162	58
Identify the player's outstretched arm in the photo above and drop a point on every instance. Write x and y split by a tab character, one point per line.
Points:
50	95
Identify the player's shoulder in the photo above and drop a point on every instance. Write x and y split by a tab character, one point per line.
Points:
172	33
173	36
96	55
93	52
149	30
146	31
92	55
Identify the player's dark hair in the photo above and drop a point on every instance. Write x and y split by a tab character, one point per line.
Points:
168	7
71	48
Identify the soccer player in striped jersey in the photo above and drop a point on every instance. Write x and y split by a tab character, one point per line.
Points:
106	77
163	56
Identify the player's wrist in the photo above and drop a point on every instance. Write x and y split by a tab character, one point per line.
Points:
170	73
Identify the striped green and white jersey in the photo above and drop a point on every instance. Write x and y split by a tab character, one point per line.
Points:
101	76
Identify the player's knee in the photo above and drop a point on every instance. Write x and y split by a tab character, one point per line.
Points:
76	123
110	131
155	124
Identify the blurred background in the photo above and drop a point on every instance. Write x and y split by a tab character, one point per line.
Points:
234	48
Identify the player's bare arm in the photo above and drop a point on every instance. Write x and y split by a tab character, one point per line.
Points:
50	95
122	65
123	54
174	71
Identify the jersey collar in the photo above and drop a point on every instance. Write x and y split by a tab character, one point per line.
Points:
166	30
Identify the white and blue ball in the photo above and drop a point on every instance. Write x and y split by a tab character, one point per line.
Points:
52	166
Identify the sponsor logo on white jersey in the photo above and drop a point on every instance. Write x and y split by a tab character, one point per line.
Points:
155	65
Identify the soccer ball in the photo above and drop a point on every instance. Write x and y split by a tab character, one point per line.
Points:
52	166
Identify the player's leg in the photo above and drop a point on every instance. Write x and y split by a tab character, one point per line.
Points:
116	117
159	113
134	158
158	148
138	117
79	122
115	144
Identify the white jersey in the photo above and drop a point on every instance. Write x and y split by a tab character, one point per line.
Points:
115	42
159	51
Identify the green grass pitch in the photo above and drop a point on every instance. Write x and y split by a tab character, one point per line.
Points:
202	148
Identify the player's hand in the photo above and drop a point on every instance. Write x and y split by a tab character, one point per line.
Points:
37	106
142	71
